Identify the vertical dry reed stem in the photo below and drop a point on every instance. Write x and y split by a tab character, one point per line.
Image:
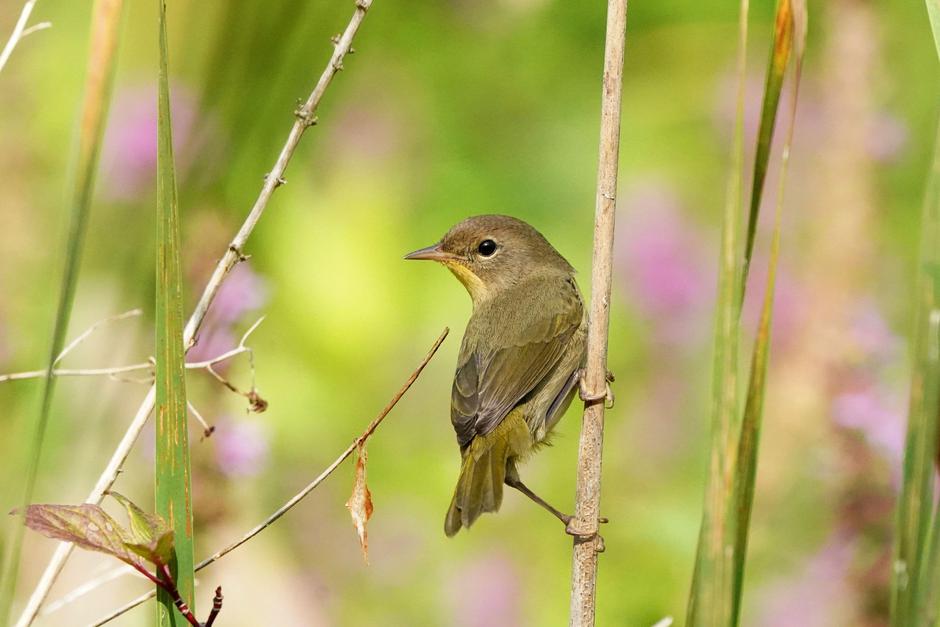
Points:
587	509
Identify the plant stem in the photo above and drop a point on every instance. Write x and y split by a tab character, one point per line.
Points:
587	509
305	118
294	500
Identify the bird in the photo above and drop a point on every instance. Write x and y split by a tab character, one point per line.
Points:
520	359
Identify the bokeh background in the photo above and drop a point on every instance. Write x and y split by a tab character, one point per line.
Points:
448	109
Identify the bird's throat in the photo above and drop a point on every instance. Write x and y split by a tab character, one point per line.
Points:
471	281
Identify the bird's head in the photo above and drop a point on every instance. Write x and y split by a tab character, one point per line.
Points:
491	253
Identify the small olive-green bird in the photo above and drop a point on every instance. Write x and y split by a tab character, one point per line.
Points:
520	358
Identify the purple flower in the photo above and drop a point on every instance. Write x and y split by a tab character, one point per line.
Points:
667	265
878	414
486	593
241	447
129	154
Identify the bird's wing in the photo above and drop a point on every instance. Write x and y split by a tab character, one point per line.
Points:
495	373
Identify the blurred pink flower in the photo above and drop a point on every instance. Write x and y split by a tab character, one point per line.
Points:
816	596
243	292
486	593
873	336
241	447
878	414
129	154
666	263
863	399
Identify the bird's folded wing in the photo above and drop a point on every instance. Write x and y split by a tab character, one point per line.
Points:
491	381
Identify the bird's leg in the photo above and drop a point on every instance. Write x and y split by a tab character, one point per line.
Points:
591	396
513	481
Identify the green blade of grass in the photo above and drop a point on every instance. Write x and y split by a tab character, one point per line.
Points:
933	13
173	497
925	595
913	582
710	562
779	60
745	471
102	56
914	505
717	584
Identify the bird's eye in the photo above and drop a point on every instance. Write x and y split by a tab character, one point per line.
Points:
487	247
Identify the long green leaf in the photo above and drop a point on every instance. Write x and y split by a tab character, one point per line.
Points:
779	60
172	473
717	585
933	13
914	598
710	561
745	471
914	505
102	56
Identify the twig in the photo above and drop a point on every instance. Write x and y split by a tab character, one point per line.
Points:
206	429
35	28
306	117
133	313
587	508
18	32
112	371
87	587
307	489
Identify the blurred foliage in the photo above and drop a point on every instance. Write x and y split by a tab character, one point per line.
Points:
449	109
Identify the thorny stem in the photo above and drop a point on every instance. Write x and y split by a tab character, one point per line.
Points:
305	117
294	500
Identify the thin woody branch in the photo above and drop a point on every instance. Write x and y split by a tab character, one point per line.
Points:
232	256
310	487
587	543
20	31
113	371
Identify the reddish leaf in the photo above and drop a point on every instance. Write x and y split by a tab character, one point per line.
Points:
86	525
360	502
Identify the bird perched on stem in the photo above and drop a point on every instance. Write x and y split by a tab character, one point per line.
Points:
520	359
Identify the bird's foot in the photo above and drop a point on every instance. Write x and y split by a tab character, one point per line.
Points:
581	535
589	396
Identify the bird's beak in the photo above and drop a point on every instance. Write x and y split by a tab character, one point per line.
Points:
431	253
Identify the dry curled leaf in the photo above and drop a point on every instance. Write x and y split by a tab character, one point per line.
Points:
360	502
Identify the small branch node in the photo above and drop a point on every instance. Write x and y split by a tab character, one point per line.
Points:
305	116
239	255
277	182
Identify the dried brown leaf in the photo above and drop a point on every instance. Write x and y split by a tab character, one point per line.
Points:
360	502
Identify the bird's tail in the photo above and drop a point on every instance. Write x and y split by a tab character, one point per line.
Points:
483	471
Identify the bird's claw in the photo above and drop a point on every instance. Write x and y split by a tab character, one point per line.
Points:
591	397
582	536
572	528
